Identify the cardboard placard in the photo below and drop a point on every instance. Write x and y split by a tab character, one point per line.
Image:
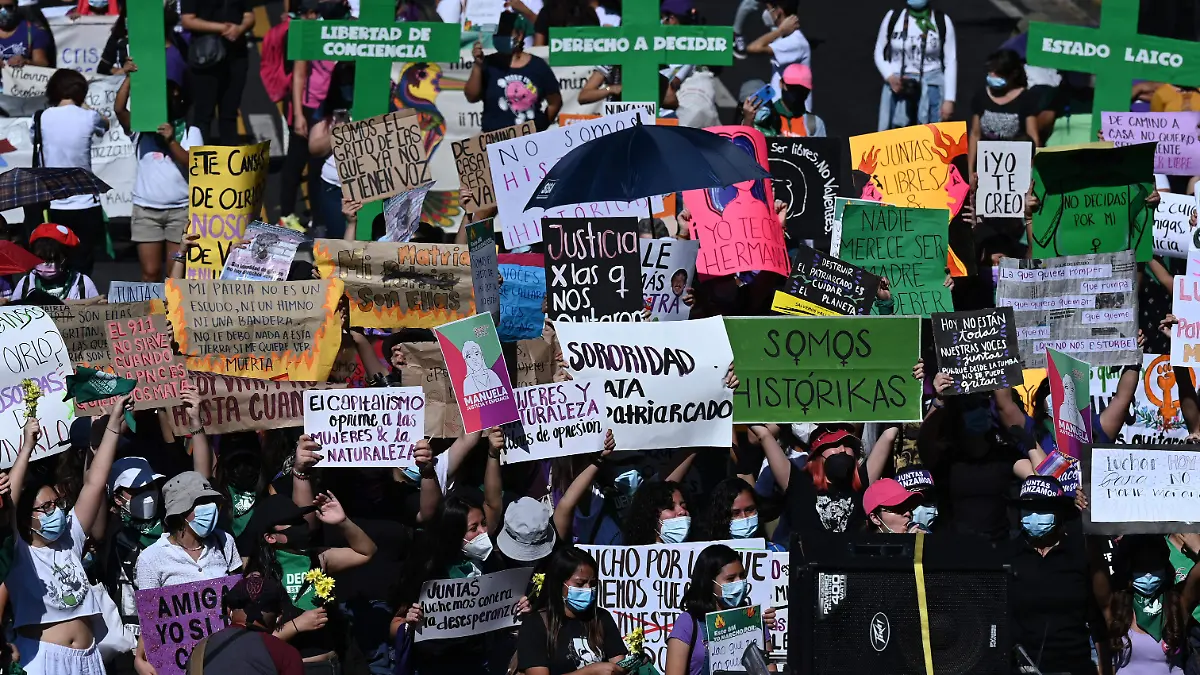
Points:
668	271
35	351
267	255
485	272
978	350
592	265
907	246
1005	169
521	296
229	404
461	607
83	329
808	174
376	426
175	618
557	420
781	567
1143	489
474	170
1178	151
381	156
478	372
426	367
227	184
913	166
141	351
821	285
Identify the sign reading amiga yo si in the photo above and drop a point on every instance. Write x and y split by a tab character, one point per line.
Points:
346	40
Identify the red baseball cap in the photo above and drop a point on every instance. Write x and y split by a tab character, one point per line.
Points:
799	75
60	233
831	436
886	492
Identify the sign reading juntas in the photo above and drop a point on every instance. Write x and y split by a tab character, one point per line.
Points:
557	420
83	330
826	369
1141	489
380	156
229	404
478	372
663	387
668	270
978	350
1178	151
485	272
592	268
1092	300
33	350
1004	169
1172	224
907	246
267	255
474	171
807	174
518	165
821	285
521	296
1071	402
262	329
134	291
392	285
920	166
730	632
141	350
376	426
459	607
227	186
175	618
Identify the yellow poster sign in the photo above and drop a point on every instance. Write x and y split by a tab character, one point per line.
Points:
913	166
227	185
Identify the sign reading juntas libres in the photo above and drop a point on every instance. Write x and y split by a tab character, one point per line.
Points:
381	156
375	426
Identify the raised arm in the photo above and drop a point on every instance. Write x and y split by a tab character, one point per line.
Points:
201	452
307	455
30	434
1113	417
777	459
430	492
360	547
95	482
882	452
564	510
493	485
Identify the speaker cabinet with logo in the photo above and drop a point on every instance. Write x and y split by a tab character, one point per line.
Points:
855	609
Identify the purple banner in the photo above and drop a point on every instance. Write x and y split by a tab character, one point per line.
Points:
1178	152
175	618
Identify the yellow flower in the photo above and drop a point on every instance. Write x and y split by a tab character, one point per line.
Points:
322	584
538	580
32	393
635	641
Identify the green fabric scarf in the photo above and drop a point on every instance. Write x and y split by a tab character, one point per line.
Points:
1149	614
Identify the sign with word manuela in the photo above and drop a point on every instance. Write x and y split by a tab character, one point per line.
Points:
664	388
1178	151
1004	169
978	350
821	285
826	369
478	372
1173	224
175	618
730	632
391	285
1083	305
34	351
227	184
229	404
592	269
141	351
808	175
1141	489
83	329
557	420
668	271
474	171
375	426
907	246
381	156
262	329
460	607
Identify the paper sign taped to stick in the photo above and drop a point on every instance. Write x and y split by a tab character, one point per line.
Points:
267	256
402	213
229	404
175	618
35	352
485	272
730	632
380	156
1178	151
557	420
1173	224
227	184
592	268
1141	489
978	350
822	285
478	372
1004	169
461	607
908	246
83	329
474	170
375	426
668	271
141	351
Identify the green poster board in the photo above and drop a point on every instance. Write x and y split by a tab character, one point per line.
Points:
906	245
825	369
1093	200
147	48
729	633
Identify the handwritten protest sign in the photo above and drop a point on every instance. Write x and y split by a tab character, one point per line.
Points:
535	362
84	330
668	270
392	284
120	292
141	350
1092	300
1141	489
227	187
736	226
1071	402
1005	169
781	566
474	170
426	367
1185	335
485	272
854	369
229	404
821	285
478	372
664	388
521	296
730	632
592	265
402	213
1172	224
267	256
808	174
175	618
1093	200
908	246
263	329
921	166
460	607
978	350
557	420
376	426
839	210
380	156
33	350
1178	151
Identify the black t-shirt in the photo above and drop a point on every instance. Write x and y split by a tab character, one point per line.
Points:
515	95
1002	122
219	11
978	494
572	651
814	512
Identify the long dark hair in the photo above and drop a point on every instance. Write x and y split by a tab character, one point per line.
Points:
1007	64
559	569
25	506
1132	554
438	547
699	598
715	525
641	521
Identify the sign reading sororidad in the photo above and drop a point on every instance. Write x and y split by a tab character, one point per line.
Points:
229	404
227	187
381	156
826	369
175	618
264	329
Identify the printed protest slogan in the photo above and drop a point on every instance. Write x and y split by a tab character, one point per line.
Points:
380	156
425	367
267	256
1005	170
736	225
557	420
485	274
826	369
1185	335
134	291
820	285
141	351
229	404
663	387
175	618
919	166
1093	200
84	330
474	171
460	607
906	246
1071	402
978	350
1173	225
807	174
374	426
1083	305
518	166
729	633
478	372
1178	151
592	268
668	270
781	565
227	184
399	284
33	350
521	296
1141	489
263	329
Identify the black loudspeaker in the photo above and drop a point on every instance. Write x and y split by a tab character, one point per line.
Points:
854	608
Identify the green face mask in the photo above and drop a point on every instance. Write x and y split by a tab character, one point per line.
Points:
149	531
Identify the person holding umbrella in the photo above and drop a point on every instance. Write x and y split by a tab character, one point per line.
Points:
56	276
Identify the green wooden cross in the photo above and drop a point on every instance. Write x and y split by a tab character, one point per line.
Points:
640	46
148	86
373	42
1116	53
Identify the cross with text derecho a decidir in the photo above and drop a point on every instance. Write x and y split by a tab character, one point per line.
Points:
1116	53
373	42
640	46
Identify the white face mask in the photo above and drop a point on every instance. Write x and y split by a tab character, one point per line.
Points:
768	20
144	506
478	548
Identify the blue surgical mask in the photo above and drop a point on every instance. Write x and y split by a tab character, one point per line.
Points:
412	473
996	82
1148	585
628	482
744	528
204	520
675	530
53	524
918	4
1038	525
579	599
733	593
924	516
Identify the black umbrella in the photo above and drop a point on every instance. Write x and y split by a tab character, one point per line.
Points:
22	187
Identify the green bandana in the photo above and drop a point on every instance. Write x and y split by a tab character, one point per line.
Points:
149	531
923	18
181	127
295	566
243	508
1149	614
1182	564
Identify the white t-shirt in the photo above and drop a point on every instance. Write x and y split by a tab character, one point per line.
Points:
906	39
47	584
160	184
67	134
81	288
785	51
329	172
166	564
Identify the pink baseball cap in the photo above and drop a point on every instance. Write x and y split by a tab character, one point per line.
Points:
886	492
798	74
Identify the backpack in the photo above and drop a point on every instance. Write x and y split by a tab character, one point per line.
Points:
274	68
939	20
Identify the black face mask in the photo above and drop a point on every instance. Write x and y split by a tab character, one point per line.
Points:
840	467
298	538
794	99
243	476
